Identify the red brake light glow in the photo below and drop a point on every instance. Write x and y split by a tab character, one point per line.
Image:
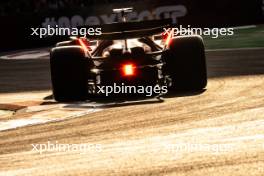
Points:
128	70
169	37
85	48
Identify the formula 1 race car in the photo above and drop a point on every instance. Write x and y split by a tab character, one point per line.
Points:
127	53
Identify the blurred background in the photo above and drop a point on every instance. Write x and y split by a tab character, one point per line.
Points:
17	17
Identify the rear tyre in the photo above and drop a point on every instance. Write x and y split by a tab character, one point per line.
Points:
69	73
186	63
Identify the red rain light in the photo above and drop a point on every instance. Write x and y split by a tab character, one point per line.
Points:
128	70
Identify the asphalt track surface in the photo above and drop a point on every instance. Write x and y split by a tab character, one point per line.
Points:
150	138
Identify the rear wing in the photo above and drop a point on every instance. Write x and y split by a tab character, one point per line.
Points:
126	30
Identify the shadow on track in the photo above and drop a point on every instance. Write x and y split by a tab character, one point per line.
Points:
109	102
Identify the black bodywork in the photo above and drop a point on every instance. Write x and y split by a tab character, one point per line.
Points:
80	65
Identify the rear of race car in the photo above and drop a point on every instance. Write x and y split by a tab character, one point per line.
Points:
128	69
127	57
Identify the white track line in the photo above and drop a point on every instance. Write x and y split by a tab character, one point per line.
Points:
59	112
45	114
235	49
244	27
28	54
